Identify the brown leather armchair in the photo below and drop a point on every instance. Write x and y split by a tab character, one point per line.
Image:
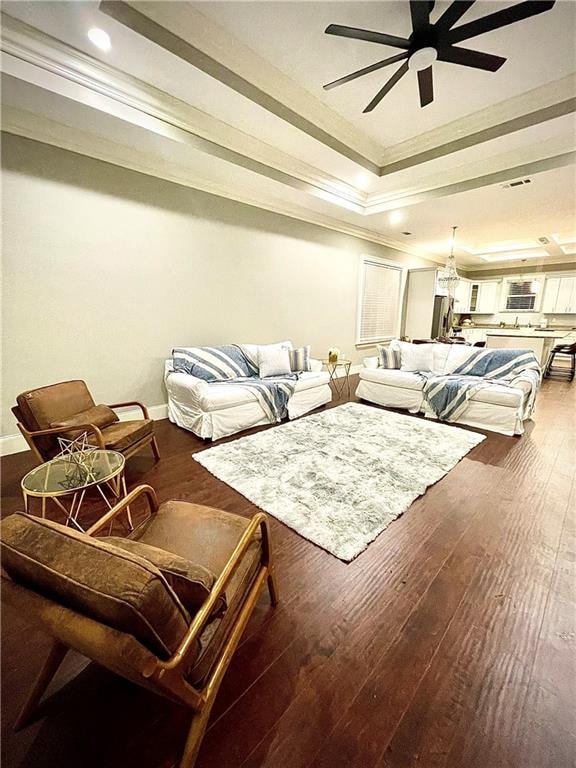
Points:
125	616
67	409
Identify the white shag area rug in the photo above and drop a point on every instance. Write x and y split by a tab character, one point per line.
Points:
340	477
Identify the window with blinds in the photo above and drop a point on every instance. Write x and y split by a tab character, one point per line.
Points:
521	295
379	300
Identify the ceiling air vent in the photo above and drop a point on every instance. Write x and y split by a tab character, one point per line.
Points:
518	183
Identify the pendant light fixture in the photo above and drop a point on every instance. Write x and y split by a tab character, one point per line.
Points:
450	276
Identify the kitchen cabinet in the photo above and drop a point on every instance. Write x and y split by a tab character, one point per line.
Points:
462	296
484	297
488	297
559	295
550	294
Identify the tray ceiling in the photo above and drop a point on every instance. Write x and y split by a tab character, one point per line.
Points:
228	97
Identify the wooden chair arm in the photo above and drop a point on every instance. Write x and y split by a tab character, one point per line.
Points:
132	402
188	641
150	494
62	430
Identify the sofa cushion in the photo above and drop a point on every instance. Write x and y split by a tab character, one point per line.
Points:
220	363
251	350
273	360
457	355
393	378
191	582
416	357
99	415
389	356
41	407
94	578
497	394
300	358
122	434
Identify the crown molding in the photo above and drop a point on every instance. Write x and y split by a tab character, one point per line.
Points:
22	43
32	126
210	48
539	105
536	266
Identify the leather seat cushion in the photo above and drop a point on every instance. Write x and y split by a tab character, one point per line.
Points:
99	415
190	581
393	377
45	405
94	578
207	537
122	434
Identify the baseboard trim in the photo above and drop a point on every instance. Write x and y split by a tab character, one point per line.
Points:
10	444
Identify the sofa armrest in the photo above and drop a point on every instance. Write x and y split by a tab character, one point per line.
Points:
371	362
315	365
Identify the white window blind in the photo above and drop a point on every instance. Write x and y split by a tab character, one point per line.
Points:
521	295
379	302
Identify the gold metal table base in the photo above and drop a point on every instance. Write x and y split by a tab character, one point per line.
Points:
339	383
117	486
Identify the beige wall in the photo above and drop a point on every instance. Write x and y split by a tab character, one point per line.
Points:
105	270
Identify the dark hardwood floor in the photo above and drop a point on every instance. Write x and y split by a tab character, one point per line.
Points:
450	642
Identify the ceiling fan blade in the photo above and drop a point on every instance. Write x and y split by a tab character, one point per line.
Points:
365	71
499	19
468	58
452	14
364	34
425	86
420	13
387	87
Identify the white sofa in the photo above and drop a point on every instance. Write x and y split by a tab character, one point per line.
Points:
497	407
212	411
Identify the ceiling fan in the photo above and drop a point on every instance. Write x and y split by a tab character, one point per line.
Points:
434	42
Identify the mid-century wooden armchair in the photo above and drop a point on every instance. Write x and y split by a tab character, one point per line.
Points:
235	549
68	408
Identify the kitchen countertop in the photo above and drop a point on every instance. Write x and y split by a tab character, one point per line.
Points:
532	333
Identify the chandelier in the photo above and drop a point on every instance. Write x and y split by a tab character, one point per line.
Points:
450	276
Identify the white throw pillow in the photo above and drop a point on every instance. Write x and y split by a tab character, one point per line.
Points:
273	360
416	357
458	355
440	356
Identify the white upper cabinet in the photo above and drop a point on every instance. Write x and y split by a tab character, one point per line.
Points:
550	294
462	296
488	297
559	295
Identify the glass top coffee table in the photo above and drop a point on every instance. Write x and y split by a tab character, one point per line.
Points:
66	477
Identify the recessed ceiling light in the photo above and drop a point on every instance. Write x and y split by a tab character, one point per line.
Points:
396	217
100	38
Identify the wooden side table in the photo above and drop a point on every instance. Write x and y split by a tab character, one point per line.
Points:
61	477
332	369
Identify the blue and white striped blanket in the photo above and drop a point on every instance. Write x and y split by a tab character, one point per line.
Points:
229	364
448	395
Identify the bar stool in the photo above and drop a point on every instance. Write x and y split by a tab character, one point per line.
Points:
566	350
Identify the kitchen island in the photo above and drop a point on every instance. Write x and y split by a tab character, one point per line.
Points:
540	341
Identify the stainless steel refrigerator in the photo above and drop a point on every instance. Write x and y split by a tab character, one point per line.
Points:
442	316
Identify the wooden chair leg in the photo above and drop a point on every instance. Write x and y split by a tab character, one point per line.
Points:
272	589
155	450
49	669
195	736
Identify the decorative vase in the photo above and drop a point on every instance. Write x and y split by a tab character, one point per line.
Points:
333	353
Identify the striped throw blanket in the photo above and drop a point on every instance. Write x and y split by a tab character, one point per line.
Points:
230	364
448	395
